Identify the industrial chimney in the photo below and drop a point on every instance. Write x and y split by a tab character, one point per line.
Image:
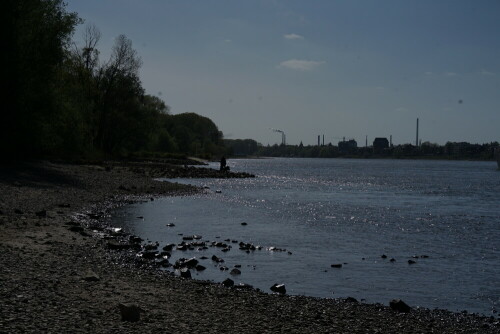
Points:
416	142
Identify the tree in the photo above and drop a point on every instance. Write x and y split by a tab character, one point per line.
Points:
37	35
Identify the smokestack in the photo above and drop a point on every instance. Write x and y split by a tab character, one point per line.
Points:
318	140
366	141
323	140
416	142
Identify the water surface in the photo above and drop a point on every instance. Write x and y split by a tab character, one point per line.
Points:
349	212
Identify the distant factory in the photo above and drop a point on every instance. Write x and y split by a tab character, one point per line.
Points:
348	146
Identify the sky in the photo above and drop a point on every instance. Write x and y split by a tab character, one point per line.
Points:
351	68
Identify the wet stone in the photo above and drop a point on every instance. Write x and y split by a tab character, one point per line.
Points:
235	271
228	282
217	259
184	272
399	306
278	288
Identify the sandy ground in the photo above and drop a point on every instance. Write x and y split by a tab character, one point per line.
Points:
58	276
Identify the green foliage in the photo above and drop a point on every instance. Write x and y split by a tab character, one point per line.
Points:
64	101
195	134
37	34
242	147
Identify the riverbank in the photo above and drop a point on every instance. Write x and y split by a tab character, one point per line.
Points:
59	277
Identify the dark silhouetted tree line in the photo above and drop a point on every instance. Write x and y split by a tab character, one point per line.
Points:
64	101
241	147
451	151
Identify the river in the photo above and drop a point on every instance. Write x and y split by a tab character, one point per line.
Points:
442	215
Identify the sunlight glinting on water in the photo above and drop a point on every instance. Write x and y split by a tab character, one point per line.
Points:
328	211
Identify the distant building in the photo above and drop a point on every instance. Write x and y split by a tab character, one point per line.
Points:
380	144
349	146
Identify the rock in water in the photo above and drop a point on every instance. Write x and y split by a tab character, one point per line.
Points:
217	259
191	263
130	312
184	273
279	288
235	271
399	305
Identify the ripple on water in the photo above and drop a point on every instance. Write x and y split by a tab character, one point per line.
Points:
329	211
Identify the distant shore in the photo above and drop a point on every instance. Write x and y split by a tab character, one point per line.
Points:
60	275
375	157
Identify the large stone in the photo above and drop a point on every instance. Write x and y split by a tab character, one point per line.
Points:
151	246
279	288
235	272
217	259
168	247
184	273
130	312
228	282
134	239
399	305
199	267
190	263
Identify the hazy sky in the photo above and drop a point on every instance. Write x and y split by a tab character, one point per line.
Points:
338	68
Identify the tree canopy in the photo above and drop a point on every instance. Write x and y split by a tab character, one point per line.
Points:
65	101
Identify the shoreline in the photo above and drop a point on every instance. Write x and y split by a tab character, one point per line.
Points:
57	277
416	158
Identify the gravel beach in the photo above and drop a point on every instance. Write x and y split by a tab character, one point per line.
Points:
59	276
